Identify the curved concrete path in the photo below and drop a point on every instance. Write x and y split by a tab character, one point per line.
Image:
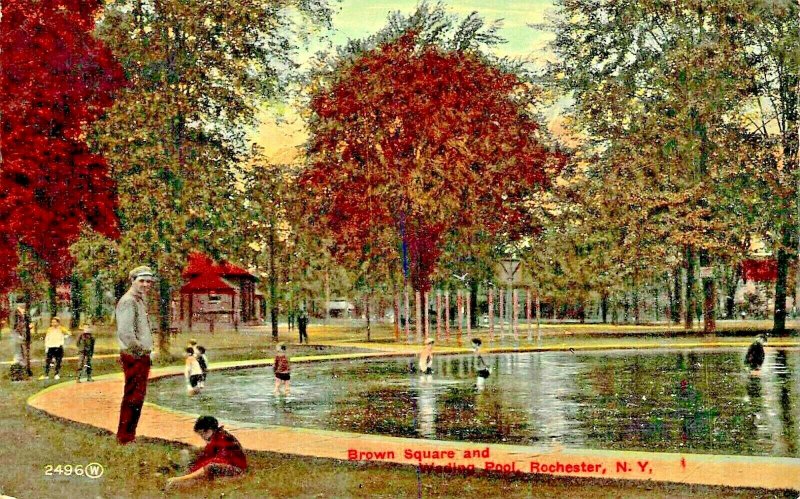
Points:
97	404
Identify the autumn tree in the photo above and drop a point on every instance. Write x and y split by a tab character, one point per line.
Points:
414	134
51	183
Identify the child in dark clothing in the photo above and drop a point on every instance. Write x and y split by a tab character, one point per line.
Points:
483	368
203	361
86	350
282	370
755	354
222	456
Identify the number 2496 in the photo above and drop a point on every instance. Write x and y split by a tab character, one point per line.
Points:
69	470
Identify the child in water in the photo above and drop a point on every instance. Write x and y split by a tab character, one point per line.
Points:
755	354
193	373
483	368
282	370
200	353
426	358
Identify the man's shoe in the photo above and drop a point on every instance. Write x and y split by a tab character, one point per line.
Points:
78	380
57	376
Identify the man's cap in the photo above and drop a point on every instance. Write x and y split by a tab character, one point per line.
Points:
143	272
429	341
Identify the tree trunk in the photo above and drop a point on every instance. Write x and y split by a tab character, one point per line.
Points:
369	323
52	300
779	321
473	304
26	297
677	301
99	298
734	275
689	288
626	307
396	307
273	284
418	314
615	311
604	307
657	303
164	298
328	296
709	296
76	295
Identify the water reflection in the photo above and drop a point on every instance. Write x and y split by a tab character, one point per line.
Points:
697	401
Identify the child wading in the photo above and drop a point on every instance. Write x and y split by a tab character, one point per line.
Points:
223	455
200	353
426	358
193	372
282	369
480	364
86	350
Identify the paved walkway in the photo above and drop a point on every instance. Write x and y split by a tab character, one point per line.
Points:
97	404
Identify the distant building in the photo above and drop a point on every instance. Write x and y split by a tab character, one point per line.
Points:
340	309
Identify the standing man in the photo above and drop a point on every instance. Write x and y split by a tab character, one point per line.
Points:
302	327
22	331
136	344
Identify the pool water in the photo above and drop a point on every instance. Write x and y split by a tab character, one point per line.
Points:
699	401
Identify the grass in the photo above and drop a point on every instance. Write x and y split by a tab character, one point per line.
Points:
31	440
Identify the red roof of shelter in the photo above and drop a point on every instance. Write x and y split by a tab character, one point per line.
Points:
207	282
227	268
199	264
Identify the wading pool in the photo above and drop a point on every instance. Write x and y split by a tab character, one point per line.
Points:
701	401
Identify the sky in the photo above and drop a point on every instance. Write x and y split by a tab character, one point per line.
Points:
355	19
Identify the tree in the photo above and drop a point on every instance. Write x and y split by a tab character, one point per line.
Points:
415	135
51	183
199	71
772	32
657	87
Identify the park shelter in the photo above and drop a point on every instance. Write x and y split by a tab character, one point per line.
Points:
217	294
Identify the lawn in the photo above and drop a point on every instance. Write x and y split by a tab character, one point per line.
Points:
31	441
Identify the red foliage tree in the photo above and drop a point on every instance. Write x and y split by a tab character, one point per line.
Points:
56	79
422	141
